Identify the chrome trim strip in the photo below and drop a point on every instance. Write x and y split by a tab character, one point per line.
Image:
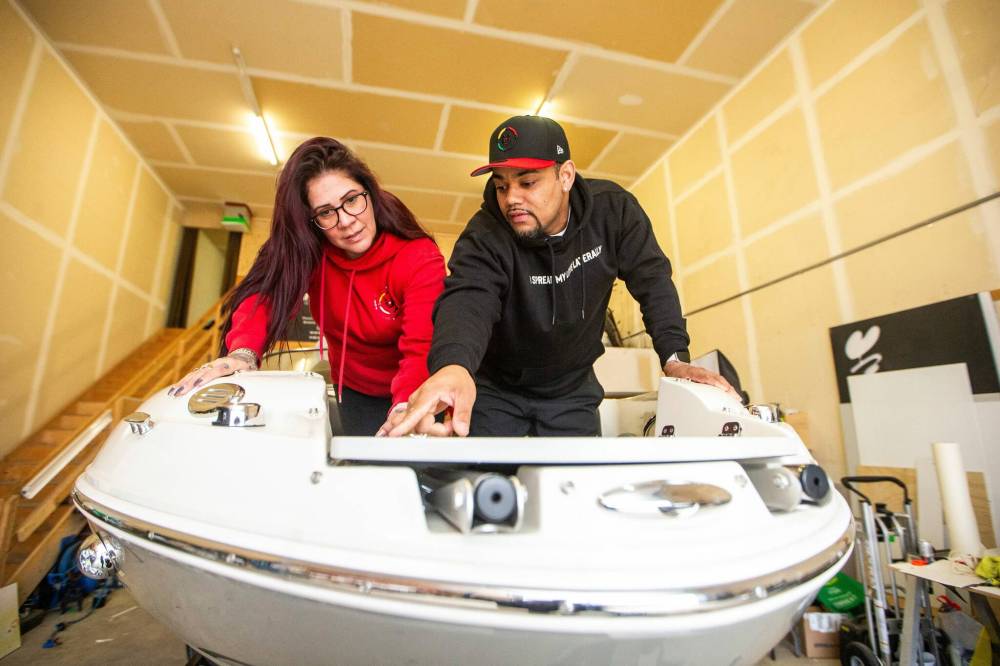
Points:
626	603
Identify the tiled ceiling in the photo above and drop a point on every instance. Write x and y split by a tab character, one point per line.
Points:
415	86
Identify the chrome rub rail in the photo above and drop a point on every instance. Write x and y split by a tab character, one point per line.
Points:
630	603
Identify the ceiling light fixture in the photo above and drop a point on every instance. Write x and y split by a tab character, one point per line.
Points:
258	124
544	107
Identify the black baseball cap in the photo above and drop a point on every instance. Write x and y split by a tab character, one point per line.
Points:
528	142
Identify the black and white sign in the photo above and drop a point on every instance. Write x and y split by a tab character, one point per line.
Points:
953	331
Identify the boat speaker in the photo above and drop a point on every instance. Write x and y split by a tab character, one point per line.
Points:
473	501
784	487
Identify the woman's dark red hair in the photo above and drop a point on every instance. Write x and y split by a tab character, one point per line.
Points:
280	274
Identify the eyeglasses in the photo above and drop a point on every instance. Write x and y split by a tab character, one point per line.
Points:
328	218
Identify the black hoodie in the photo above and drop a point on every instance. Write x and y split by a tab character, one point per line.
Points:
529	313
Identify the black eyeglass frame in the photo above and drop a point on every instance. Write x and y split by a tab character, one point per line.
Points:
364	194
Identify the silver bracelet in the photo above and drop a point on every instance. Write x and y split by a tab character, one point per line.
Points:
246	354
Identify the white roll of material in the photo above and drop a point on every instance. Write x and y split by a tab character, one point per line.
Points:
960	519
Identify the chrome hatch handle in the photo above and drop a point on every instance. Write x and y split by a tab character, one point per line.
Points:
671	498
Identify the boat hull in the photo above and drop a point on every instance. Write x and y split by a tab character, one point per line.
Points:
276	543
234	616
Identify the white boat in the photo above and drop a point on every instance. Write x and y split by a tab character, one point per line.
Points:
238	522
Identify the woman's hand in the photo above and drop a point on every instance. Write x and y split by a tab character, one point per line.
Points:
220	367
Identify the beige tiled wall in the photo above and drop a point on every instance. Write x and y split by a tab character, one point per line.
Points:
89	235
871	117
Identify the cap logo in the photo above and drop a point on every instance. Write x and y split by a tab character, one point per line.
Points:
559	150
506	138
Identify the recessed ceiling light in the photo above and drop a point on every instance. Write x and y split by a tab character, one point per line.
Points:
630	100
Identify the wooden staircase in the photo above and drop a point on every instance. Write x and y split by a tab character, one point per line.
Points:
30	530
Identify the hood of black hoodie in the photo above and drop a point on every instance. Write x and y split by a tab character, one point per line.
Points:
581	203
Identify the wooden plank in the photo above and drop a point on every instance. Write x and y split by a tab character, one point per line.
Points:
887	493
55	436
800	423
16	473
893	497
981	508
29	562
57	490
36	524
72	422
8	512
31	453
88	407
127	405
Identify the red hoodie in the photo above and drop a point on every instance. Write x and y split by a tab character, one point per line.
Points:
387	295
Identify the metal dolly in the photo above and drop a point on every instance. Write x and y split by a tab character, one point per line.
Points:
878	525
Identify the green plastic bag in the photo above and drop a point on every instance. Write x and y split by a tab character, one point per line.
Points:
841	594
989	568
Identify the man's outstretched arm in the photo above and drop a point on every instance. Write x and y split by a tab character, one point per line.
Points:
451	386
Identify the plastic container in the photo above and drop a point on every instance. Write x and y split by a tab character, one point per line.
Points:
841	594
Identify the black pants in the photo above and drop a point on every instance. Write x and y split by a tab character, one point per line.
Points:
362	414
504	412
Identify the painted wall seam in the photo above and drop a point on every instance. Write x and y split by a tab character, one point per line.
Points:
845	301
470	11
181	146
158	270
119	262
336	84
347	45
54	52
904	161
40	230
739	248
710	24
527	38
855	63
166	31
675	261
452	217
989	116
557	84
698	184
811	208
875	48
608	147
48	331
782	109
442	126
14	130
971	136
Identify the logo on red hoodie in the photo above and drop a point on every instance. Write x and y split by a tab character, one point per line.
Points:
386	304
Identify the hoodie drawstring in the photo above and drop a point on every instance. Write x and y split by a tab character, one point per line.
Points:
552	274
343	344
583	277
322	328
322	312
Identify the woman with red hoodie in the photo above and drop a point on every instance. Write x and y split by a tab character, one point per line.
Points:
372	275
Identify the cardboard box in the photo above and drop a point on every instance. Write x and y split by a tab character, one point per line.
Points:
10	623
821	633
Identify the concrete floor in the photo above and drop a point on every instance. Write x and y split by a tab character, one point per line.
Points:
120	633
123	634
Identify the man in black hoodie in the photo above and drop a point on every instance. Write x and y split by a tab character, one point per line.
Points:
519	324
